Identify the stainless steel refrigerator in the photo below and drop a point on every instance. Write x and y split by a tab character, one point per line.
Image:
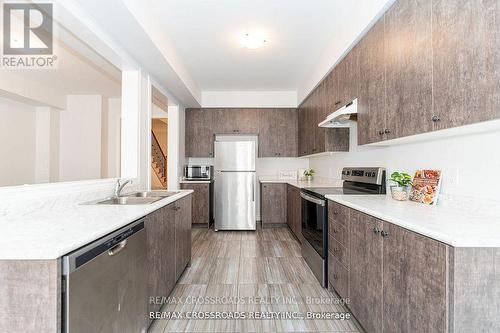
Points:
235	185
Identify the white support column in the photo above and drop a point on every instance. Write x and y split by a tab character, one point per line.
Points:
130	127
173	147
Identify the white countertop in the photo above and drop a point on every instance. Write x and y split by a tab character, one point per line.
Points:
51	231
184	181
319	182
460	224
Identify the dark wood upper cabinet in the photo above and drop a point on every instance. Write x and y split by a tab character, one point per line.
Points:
273	203
278	132
319	115
302	130
371	99
247	121
199	133
268	138
346	74
366	271
408	68
225	121
415	282
466	61
289	138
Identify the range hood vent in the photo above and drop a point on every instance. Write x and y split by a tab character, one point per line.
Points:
343	117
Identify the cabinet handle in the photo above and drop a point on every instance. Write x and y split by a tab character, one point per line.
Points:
337	102
335	212
335	277
335	230
381	132
376	230
336	249
387	131
435	118
384	233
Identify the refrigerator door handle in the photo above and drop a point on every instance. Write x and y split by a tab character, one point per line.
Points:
253	188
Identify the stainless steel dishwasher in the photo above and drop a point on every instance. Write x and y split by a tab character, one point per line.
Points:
105	284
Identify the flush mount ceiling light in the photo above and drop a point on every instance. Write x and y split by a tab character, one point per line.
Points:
253	41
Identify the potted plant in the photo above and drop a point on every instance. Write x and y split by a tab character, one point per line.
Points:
402	186
309	174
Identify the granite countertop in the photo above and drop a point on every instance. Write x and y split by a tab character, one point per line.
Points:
459	224
51	231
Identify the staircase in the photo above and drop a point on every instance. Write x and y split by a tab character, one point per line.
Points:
158	160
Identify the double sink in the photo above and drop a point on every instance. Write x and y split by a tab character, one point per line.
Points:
137	198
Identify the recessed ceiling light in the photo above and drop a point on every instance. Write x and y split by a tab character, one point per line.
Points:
253	40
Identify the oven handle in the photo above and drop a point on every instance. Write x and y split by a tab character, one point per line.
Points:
312	199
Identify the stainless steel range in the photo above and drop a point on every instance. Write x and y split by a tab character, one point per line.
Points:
361	181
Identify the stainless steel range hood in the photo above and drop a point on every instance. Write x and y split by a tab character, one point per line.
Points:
343	117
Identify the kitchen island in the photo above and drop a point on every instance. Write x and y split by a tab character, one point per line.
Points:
34	243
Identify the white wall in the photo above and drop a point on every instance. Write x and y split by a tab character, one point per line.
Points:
80	138
470	163
249	99
17	143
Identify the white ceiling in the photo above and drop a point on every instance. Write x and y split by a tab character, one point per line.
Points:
205	34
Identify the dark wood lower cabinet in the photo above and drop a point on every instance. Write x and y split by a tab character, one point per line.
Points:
168	237
366	271
415	282
293	211
273	203
398	281
182	235
202	205
160	235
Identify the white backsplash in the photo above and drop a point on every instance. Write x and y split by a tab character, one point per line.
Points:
470	163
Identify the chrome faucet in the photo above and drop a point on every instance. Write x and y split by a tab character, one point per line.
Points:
119	186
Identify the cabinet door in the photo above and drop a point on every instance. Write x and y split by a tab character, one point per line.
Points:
320	115
332	99
268	134
302	132
408	59
347	77
247	121
366	271
160	235
273	210
414	282
182	235
199	133
466	61
224	121
286	132
200	211
310	134
371	101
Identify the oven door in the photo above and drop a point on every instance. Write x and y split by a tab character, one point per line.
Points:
315	223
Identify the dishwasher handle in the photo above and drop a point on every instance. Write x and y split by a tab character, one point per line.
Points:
117	249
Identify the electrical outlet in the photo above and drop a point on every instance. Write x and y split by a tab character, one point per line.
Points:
451	178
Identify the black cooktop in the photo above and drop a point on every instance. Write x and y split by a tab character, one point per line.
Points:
320	192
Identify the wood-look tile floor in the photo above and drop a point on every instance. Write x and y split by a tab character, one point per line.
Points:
249	265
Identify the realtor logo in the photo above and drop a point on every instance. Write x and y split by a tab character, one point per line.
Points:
28	35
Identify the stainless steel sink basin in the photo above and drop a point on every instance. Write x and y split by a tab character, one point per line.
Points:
128	201
152	194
